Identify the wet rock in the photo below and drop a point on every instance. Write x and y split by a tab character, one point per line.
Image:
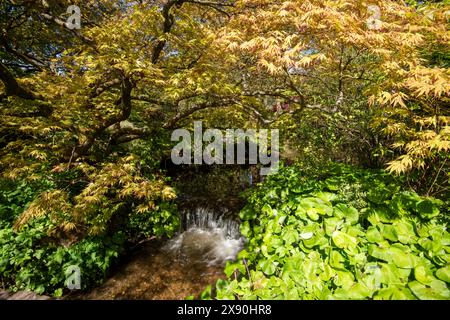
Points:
21	295
4	295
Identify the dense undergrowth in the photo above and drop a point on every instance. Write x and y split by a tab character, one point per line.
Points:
36	257
339	233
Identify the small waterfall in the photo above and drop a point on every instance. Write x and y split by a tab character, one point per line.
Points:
208	236
184	265
206	219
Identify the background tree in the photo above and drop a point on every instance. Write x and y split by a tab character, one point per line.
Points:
139	68
354	71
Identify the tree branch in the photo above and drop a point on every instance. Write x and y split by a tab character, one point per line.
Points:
146	98
99	89
35	62
169	21
171	123
12	87
62	23
214	5
125	111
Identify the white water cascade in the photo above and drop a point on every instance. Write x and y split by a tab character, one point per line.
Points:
208	237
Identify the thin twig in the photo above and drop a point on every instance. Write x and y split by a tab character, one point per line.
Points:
143	241
435	178
71	157
248	271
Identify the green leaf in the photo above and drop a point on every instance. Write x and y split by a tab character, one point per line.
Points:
332	224
245	229
206	294
350	214
437	290
379	253
394	293
373	235
306	235
268	266
403	294
230	268
312	214
326	196
267	210
389	232
444	274
358	291
247	214
429	245
58	292
243	254
428	208
405	231
314	207
343	240
290	236
336	260
423	274
221	284
401	259
378	194
327	273
344	279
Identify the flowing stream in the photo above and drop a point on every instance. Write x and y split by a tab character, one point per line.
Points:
182	266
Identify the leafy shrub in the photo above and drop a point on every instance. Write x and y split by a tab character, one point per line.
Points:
312	237
15	195
29	262
162	222
36	257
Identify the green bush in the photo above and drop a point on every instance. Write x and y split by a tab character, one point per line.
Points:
35	259
15	195
29	262
340	233
162	222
